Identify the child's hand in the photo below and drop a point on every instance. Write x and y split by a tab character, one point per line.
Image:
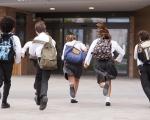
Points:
115	61
85	65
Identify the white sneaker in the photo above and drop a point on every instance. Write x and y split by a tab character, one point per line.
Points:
108	103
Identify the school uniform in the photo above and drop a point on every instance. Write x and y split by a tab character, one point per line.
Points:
71	68
144	70
105	69
7	67
42	76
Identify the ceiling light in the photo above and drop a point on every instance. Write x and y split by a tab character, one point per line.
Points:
52	9
20	0
91	8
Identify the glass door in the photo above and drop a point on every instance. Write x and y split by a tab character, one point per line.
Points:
121	36
87	34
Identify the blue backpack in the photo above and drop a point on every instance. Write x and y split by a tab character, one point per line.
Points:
6	48
73	55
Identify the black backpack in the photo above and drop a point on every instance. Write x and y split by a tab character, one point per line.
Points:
144	51
6	48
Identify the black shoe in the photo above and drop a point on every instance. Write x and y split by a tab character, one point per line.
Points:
105	89
37	100
73	101
5	105
43	103
72	92
108	104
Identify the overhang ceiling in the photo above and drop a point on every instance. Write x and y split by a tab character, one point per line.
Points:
75	5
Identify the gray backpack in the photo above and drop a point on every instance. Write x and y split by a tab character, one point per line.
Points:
48	59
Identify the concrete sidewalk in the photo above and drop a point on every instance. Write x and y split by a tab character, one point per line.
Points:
128	101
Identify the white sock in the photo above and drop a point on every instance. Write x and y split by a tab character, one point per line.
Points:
102	84
72	98
107	99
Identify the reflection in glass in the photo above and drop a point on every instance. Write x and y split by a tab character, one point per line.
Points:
120	35
77	32
84	20
118	20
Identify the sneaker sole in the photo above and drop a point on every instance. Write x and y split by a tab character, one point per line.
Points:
108	104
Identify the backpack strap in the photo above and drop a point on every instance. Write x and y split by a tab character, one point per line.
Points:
38	41
42	42
50	40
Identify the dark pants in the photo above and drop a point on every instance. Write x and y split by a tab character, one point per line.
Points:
145	79
41	82
5	78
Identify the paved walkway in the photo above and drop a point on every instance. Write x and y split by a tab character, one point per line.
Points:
128	101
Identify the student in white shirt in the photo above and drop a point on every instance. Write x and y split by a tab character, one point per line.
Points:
73	71
7	25
105	69
42	76
144	67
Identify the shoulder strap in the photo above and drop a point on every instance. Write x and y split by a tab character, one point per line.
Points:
50	40
38	41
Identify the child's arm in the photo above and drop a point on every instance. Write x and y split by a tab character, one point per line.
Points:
25	47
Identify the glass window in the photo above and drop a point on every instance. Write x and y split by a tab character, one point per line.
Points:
21	27
77	32
84	20
53	20
118	20
121	36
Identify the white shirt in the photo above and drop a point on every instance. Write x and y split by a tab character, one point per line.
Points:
35	48
25	47
77	44
115	46
139	62
17	48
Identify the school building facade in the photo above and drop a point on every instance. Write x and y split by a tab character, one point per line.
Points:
123	26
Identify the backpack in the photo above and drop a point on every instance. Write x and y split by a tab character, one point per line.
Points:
143	51
102	50
48	60
6	48
73	55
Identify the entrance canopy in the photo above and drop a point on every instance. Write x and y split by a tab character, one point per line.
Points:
75	5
